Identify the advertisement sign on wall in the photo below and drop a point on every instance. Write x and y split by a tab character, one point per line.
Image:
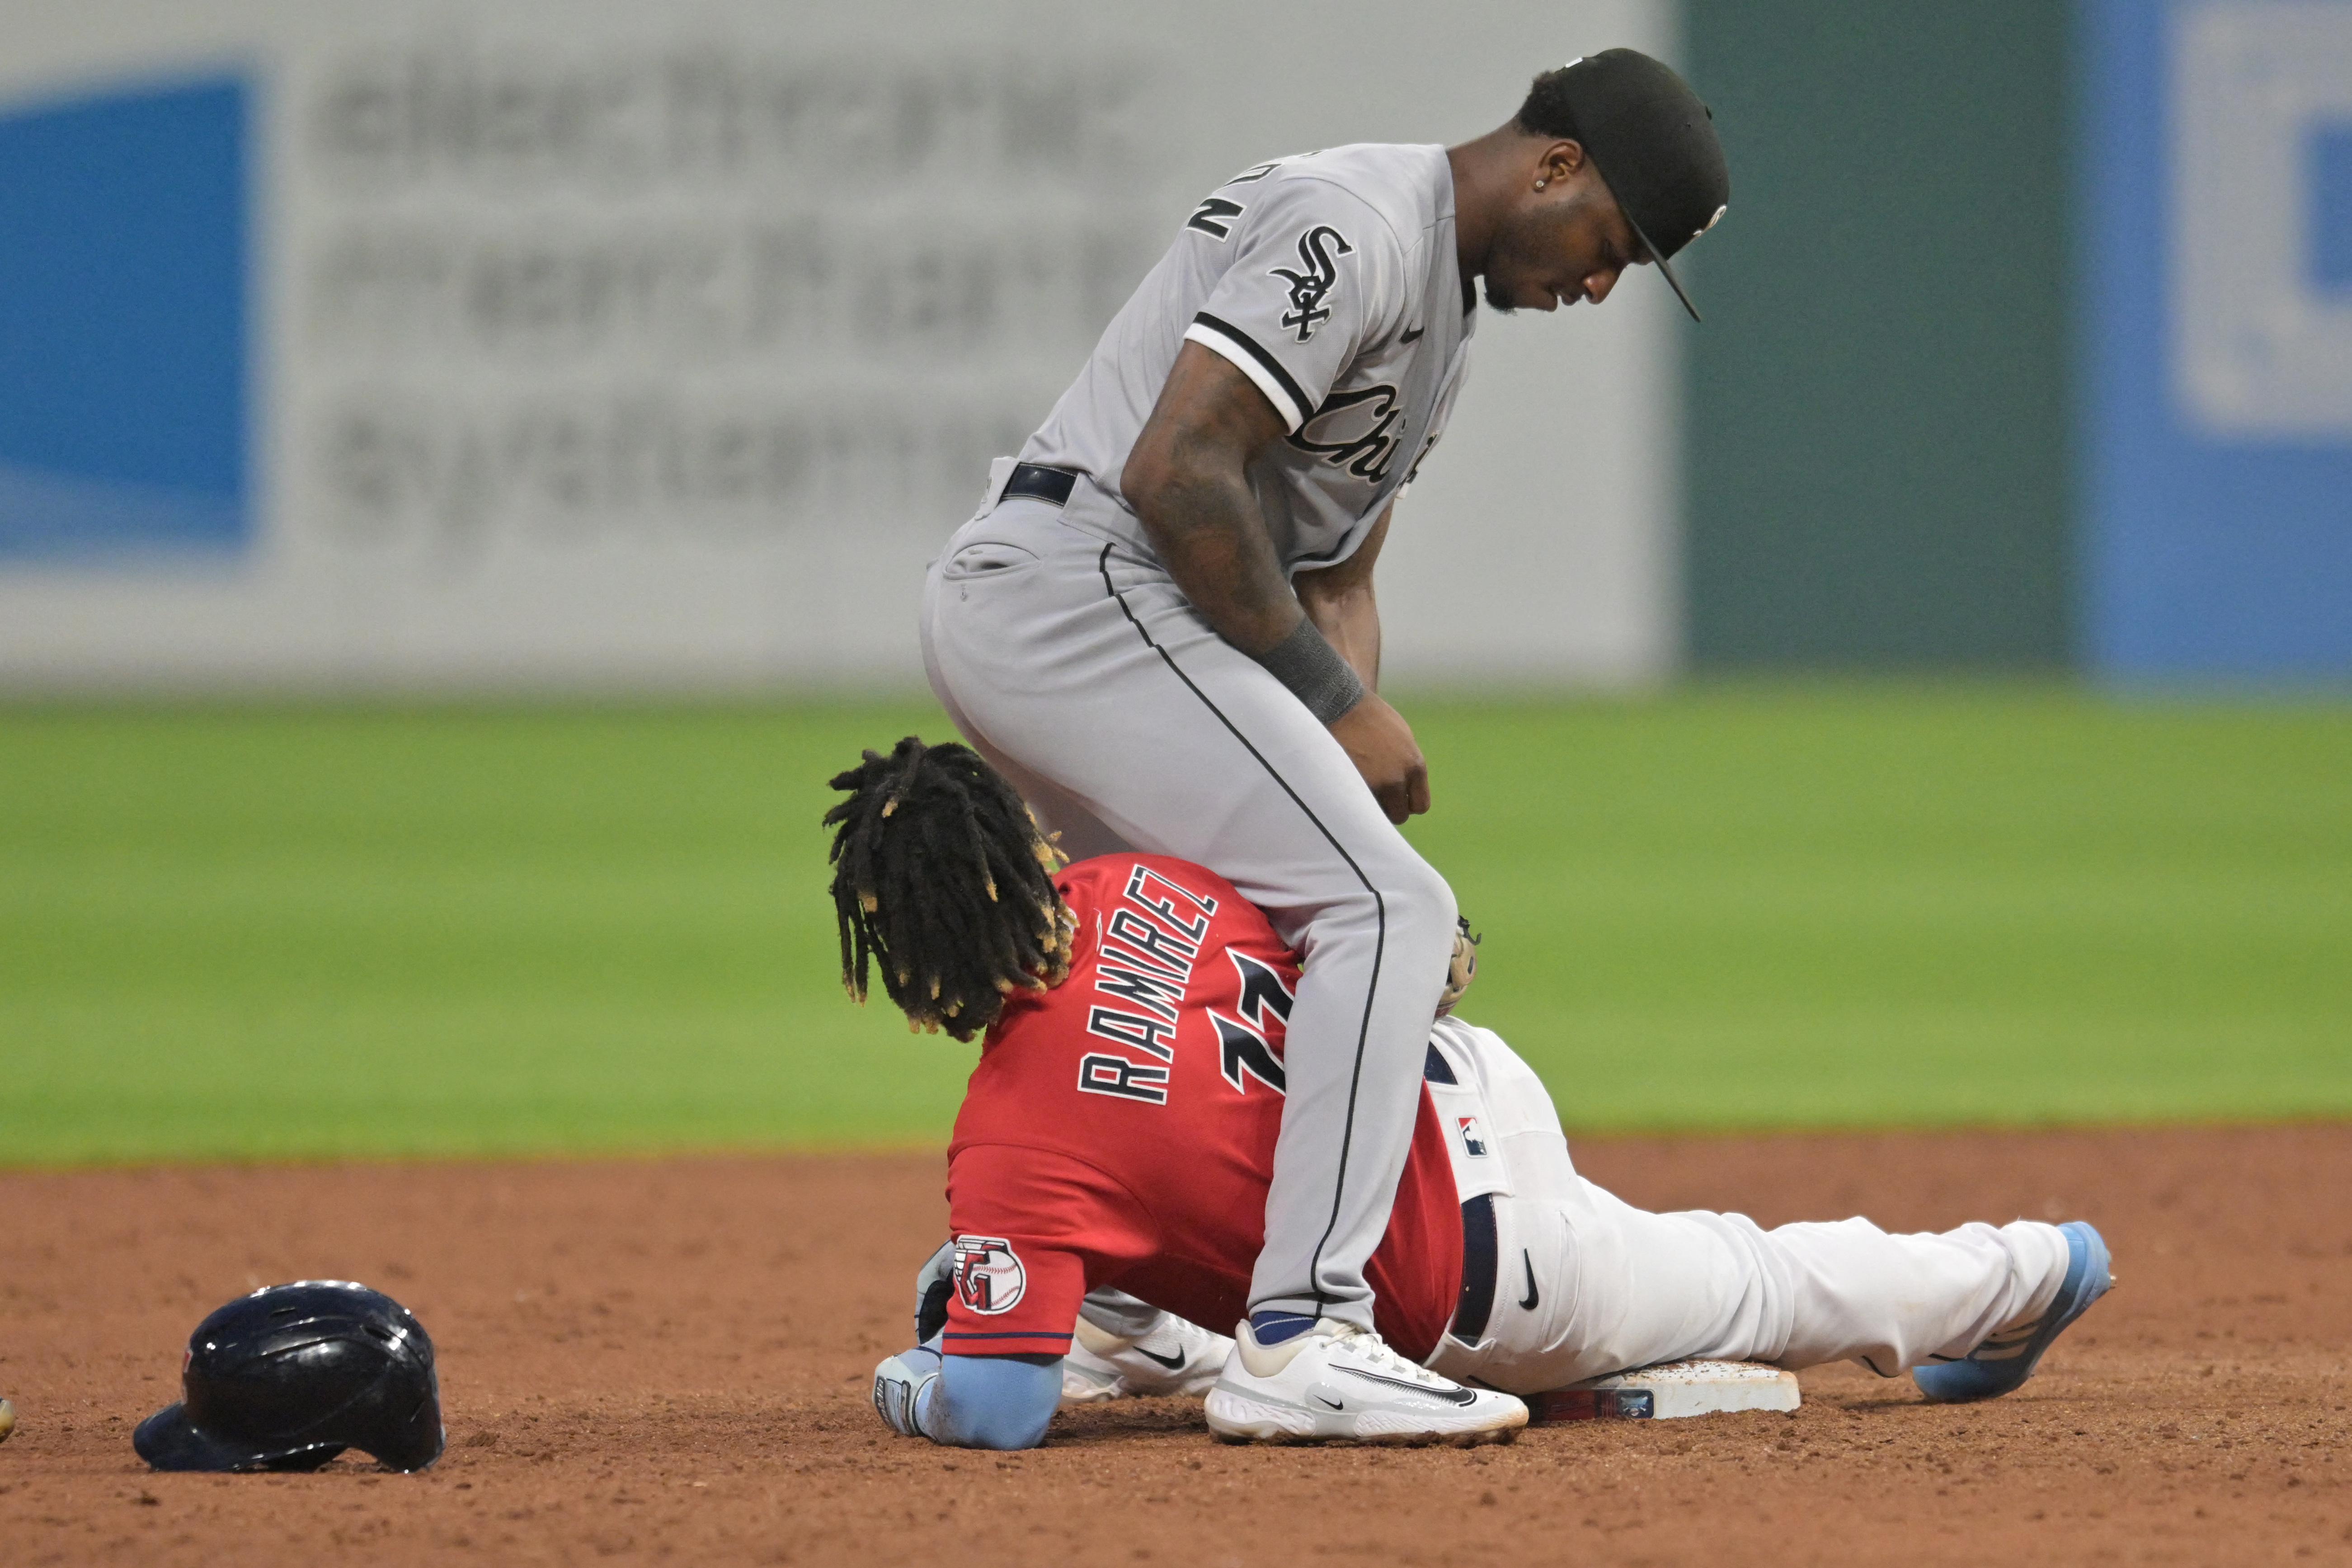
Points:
584	344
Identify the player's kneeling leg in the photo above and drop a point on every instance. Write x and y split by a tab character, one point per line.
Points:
967	1401
902	1384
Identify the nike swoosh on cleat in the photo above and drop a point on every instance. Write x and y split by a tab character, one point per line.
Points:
1172	1363
1332	1402
1454	1396
1531	1299
1412	336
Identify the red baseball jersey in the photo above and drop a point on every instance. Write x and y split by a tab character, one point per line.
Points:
1120	1129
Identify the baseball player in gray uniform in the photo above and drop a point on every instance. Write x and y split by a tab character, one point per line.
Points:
1161	625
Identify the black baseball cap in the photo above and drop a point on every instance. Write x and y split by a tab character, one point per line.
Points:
1654	144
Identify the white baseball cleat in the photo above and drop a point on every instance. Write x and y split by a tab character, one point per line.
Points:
1338	1383
1175	1357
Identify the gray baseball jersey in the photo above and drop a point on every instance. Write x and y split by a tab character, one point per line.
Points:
1331	280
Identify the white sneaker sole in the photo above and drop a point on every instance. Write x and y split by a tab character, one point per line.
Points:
1238	1418
1105	1393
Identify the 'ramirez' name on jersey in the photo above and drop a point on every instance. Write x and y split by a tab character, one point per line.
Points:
1120	1129
1331	280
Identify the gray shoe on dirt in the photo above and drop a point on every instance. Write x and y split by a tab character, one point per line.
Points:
1175	1357
1338	1383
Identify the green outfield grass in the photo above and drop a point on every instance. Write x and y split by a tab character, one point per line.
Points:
299	931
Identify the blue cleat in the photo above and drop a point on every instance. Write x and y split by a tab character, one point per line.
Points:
2008	1358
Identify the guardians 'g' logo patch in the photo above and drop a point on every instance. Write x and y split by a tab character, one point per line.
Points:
989	1278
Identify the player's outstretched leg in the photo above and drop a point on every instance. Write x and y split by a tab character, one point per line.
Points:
1622	1287
2004	1360
1340	1383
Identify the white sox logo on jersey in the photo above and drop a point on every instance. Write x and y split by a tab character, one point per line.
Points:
1318	249
1353	430
989	1278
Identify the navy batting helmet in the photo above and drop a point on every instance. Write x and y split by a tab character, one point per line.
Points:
289	1377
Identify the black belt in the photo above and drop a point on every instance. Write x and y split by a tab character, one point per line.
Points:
1479	1262
1046	484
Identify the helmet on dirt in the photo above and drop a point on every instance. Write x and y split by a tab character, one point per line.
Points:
289	1377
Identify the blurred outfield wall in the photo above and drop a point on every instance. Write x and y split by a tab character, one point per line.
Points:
2029	338
566	344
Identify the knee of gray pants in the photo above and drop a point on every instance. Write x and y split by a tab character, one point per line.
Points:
1408	907
1429	912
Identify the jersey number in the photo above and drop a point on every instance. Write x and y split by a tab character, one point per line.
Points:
1241	1045
1240	1051
1215	217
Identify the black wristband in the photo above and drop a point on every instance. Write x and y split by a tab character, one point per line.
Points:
1314	671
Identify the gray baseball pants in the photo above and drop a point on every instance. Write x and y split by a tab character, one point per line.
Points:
1078	668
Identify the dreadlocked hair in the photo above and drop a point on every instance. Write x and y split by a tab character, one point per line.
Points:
942	877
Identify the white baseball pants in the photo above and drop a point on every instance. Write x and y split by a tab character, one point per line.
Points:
1588	1285
1083	674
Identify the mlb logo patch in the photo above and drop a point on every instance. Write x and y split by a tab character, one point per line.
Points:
1474	1137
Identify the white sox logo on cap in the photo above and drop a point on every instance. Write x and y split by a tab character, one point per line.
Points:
989	1278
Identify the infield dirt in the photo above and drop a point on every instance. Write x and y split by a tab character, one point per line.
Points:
669	1360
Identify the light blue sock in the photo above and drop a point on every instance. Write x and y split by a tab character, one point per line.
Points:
1273	1328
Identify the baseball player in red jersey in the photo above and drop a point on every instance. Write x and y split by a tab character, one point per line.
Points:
1122	1126
1112	1156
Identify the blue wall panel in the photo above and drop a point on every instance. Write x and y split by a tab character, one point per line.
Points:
123	330
2216	290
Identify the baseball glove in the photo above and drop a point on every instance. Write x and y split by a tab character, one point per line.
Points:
1464	970
934	1283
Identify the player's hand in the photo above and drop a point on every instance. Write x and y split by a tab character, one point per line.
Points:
899	1384
934	1283
1380	743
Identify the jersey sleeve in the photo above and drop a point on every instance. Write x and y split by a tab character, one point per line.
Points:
1317	275
1030	1228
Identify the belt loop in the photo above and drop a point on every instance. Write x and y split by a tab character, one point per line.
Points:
1000	474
